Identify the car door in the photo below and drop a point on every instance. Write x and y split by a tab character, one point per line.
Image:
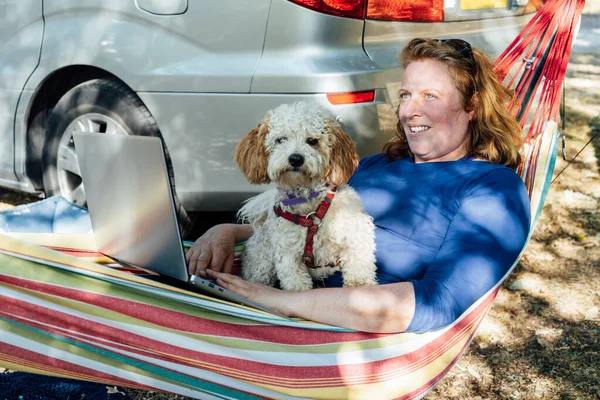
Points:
176	46
21	30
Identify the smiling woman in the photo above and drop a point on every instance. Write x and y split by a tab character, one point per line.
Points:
431	114
430	194
452	104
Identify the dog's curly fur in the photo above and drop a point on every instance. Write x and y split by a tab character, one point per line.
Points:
346	233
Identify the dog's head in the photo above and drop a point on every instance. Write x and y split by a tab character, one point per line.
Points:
297	144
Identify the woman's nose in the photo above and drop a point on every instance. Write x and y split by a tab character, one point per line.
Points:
409	108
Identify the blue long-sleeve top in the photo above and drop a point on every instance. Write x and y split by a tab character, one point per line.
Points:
453	229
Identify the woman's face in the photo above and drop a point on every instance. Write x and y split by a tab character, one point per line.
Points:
431	112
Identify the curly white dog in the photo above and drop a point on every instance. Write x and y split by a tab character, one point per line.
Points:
312	223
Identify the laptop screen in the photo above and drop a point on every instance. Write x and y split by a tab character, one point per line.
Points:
130	201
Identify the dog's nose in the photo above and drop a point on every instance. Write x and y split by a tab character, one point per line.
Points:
296	160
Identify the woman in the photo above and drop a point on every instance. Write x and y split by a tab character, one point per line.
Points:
451	215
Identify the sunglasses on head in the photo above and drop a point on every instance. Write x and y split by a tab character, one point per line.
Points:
464	48
459	45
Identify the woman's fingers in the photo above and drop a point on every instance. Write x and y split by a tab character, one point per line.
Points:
229	267
218	258
262	294
214	250
199	259
231	282
225	277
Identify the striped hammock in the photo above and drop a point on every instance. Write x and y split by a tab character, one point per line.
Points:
66	310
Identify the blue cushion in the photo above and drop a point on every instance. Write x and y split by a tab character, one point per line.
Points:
51	215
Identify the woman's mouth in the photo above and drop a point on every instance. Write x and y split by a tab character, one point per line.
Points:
418	128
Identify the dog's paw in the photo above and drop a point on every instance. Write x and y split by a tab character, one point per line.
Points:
298	284
359	275
359	282
318	274
265	277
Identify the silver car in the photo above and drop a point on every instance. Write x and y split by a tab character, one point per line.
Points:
201	74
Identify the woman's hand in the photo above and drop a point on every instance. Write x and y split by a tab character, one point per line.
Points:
381	309
215	249
257	292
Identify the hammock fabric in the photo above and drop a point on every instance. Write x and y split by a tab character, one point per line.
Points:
74	313
66	310
535	63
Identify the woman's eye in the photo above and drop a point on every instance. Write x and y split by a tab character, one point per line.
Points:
312	141
280	140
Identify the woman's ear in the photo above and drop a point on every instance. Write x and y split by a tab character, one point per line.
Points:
473	106
343	159
251	155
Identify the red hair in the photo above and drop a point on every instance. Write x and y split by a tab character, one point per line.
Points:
494	135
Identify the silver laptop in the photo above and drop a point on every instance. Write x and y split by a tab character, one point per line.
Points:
132	209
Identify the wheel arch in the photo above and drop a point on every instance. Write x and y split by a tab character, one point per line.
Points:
46	96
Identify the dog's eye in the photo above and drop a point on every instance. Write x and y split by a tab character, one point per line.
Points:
312	141
280	140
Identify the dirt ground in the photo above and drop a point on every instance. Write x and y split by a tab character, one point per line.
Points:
541	339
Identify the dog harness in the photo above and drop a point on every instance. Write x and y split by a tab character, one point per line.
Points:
312	222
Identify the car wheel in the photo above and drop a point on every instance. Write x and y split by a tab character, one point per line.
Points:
99	106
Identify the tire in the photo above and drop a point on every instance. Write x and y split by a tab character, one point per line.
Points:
101	106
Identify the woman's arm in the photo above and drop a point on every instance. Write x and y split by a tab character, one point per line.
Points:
215	249
381	309
484	239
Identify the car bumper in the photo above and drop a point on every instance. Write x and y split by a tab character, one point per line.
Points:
201	132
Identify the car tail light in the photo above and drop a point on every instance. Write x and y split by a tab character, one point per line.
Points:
406	10
351	98
339	8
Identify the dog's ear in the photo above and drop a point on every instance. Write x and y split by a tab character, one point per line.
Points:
343	159
251	155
